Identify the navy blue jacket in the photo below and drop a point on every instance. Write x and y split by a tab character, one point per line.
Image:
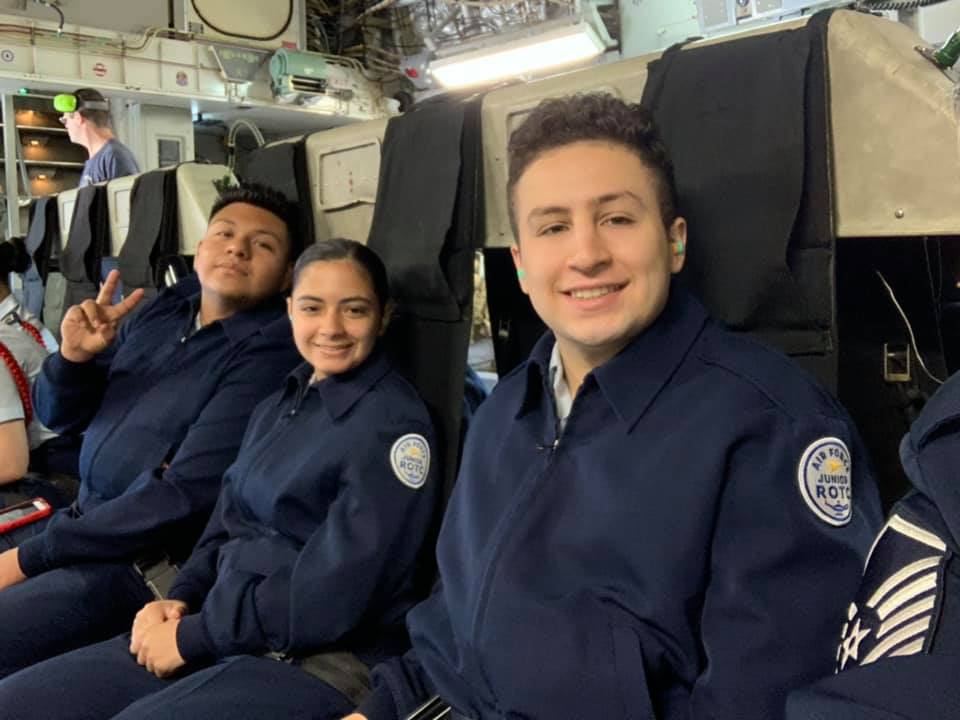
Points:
898	653
318	527
162	418
658	559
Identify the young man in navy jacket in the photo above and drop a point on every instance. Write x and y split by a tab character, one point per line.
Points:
654	518
162	402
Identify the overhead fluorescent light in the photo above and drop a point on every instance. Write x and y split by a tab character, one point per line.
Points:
519	57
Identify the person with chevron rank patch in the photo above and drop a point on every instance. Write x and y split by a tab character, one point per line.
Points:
898	649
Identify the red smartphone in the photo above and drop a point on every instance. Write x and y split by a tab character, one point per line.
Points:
24	513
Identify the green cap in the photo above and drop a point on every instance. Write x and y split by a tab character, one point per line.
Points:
71	103
65	103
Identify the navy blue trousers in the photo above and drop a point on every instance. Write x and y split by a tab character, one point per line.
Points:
63	609
104	681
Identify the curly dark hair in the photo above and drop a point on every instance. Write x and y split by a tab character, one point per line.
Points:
268	199
556	122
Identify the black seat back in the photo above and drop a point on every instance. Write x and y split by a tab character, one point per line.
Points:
427	223
153	236
283	167
42	239
87	243
751	154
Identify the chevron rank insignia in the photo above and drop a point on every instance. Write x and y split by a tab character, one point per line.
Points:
896	609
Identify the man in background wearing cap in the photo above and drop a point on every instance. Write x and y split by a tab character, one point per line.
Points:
86	116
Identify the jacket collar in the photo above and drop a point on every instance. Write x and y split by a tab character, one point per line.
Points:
943	408
241	325
632	379
339	393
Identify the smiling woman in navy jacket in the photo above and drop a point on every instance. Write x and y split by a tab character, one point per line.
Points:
653	518
302	578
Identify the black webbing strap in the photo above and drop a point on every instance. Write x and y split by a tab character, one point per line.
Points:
43	234
158	574
88	236
343	671
153	234
86	242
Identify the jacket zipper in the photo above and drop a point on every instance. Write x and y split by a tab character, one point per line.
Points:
508	526
283	419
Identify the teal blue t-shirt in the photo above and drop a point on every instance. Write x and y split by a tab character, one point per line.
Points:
113	160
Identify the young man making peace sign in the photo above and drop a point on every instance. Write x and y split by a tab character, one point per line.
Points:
162	402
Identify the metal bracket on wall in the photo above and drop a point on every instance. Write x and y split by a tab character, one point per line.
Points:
896	362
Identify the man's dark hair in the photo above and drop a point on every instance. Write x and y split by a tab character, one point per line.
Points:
592	116
273	202
100	118
343	249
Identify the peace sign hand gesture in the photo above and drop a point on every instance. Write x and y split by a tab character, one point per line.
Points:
90	327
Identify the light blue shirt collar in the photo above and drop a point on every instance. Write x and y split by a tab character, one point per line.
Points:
561	391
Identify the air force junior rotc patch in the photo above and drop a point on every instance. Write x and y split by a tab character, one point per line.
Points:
410	460
896	608
825	480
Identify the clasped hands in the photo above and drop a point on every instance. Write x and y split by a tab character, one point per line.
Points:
153	637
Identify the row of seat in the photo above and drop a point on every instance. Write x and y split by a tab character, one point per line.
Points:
195	195
790	192
78	235
769	187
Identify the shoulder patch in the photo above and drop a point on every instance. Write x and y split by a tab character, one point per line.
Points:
896	608
824	476
410	460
